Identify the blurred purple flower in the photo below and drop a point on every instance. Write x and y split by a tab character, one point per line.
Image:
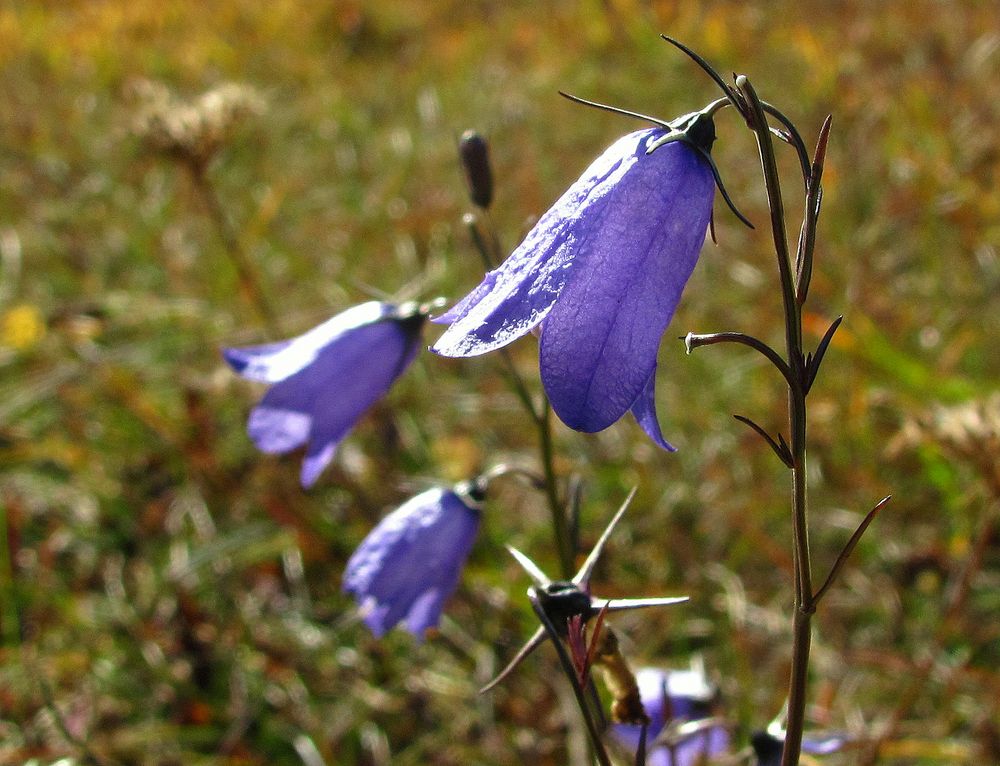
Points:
326	379
679	706
600	275
408	565
768	745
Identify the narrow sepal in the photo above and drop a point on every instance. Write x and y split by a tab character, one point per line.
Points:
582	577
615	109
779	447
624	604
538	577
537	639
731	94
725	194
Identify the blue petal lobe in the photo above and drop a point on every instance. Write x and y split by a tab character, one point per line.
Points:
644	410
273	362
278	430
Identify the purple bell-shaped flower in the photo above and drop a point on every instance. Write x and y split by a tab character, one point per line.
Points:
326	379
600	275
409	564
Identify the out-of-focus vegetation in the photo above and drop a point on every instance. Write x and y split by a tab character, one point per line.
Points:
174	596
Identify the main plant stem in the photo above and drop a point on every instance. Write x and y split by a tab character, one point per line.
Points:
797	418
804	608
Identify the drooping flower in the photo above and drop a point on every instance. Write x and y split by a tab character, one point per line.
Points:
681	730
600	275
409	564
326	379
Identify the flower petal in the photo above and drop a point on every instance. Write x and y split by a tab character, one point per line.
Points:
318	458
644	410
276	430
634	251
515	297
273	362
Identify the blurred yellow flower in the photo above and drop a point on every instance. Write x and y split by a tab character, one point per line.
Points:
21	327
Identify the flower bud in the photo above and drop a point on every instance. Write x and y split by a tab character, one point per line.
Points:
475	155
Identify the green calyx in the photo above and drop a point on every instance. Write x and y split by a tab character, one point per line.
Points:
697	130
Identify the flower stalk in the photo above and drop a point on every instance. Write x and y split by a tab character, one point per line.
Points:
250	285
797	368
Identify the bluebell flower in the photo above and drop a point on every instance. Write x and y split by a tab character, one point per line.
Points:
326	379
681	730
600	276
409	564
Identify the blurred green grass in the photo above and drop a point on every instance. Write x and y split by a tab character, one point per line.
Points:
179	594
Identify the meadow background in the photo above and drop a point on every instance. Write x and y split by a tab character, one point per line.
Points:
170	596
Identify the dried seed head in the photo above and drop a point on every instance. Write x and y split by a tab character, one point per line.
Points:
192	131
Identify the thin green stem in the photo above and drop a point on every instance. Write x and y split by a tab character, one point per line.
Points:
800	527
769	166
10	622
560	527
519	387
250	285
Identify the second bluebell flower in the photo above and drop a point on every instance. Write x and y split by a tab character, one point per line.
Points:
600	275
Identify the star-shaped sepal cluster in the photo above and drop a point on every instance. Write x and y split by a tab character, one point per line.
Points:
559	601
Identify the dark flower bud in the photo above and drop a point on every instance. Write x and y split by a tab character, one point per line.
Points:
475	154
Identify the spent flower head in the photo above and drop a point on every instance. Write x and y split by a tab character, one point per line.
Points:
192	131
563	600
